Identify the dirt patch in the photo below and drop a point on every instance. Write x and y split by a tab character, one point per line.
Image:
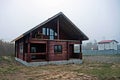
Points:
12	70
49	72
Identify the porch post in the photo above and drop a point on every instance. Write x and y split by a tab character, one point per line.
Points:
24	49
80	56
67	51
18	49
15	49
29	56
47	51
58	25
31	35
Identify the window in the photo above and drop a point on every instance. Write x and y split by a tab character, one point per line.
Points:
33	49
49	32
55	34
76	48
44	31
21	48
51	37
58	49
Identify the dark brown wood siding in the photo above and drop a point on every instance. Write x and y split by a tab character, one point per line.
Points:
57	56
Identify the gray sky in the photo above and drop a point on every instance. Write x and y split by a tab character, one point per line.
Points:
98	19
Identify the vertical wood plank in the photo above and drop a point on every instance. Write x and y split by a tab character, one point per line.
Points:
29	56
80	56
58	27
47	51
15	49
67	50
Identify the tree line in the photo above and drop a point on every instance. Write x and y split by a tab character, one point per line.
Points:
6	48
90	45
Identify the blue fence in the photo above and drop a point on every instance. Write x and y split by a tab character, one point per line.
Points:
100	52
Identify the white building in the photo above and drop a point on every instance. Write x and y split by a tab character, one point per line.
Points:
107	45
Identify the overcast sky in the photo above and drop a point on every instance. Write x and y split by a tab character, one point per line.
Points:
98	19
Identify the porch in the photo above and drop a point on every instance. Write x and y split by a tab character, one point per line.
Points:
36	52
39	50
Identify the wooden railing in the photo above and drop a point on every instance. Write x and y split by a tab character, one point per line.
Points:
38	53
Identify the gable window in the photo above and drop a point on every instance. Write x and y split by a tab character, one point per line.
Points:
49	32
44	31
57	48
55	34
51	37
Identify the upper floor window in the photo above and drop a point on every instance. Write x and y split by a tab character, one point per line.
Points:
44	31
49	32
51	37
55	34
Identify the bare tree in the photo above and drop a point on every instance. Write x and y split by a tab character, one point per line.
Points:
6	48
90	46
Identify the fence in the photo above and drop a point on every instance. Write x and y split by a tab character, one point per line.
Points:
101	52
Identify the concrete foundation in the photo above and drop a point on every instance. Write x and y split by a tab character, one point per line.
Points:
71	61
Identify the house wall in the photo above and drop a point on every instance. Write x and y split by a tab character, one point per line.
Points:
108	46
100	46
65	50
19	48
114	45
50	48
57	56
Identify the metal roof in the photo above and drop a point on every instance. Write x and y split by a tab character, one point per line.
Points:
107	41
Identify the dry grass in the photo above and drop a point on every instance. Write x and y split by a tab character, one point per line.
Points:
12	70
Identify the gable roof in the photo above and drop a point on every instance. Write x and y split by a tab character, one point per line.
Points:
106	41
74	27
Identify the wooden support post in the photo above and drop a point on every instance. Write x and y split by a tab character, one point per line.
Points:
80	56
47	51
15	49
67	51
58	27
31	35
18	49
24	49
29	56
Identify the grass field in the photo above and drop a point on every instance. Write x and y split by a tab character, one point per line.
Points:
91	69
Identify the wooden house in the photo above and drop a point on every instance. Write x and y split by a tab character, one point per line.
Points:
52	40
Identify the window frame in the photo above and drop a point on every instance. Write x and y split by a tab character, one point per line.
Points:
49	32
21	49
58	49
44	31
33	50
